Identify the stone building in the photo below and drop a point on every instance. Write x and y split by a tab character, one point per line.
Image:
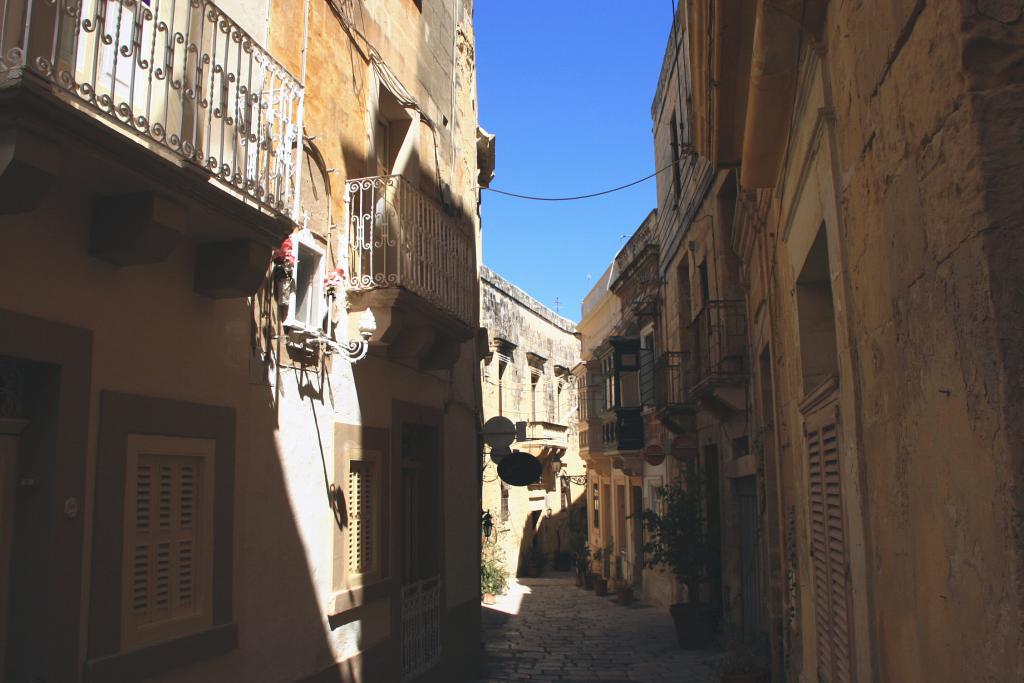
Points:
868	197
527	378
619	398
704	365
197	481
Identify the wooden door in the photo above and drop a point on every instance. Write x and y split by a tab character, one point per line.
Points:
10	428
638	536
752	595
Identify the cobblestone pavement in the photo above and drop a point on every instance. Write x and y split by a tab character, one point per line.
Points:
550	630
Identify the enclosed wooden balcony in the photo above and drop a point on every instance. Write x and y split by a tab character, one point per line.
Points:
624	429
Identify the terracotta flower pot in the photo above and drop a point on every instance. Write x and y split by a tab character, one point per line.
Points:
600	585
284	286
489	599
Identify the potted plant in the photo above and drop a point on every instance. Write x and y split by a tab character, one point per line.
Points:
493	576
680	540
580	551
581	561
741	667
602	555
536	559
284	259
623	591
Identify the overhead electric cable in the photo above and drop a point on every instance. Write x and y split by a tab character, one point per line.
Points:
582	196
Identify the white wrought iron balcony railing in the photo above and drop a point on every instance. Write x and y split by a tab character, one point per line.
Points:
398	237
179	74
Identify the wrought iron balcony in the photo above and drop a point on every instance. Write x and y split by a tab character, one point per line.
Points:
673	375
398	237
181	78
719	338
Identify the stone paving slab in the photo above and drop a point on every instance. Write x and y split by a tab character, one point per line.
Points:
548	631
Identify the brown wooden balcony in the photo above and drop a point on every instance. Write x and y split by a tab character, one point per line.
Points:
624	429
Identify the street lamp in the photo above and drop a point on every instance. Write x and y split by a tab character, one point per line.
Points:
354	350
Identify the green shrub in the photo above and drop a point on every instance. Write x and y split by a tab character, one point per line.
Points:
679	538
493	575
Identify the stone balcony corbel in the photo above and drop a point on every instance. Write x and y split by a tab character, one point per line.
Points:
228	270
410	330
29	167
630	465
135	229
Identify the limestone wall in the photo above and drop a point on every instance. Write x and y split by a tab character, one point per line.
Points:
510	314
901	148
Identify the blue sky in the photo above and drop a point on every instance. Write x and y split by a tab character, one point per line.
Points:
567	88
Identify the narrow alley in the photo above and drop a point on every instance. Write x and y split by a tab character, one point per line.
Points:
455	341
547	629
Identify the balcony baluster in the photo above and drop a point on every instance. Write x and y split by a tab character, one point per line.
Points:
181	77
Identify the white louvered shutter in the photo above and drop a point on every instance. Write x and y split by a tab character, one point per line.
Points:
828	547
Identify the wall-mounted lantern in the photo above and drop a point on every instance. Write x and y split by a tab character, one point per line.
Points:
487	523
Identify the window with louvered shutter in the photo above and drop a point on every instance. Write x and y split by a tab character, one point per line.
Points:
828	546
168	526
360	557
362	505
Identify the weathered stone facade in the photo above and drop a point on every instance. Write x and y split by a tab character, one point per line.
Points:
218	495
876	231
527	378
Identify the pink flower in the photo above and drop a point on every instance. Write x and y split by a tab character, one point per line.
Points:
285	254
334	281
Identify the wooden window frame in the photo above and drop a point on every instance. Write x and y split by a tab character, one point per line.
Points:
313	324
121	416
349	599
134	637
375	458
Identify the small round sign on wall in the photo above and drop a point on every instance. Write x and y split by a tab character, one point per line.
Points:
654	455
520	469
499	432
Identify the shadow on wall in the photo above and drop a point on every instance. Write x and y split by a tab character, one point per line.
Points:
265	620
547	541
